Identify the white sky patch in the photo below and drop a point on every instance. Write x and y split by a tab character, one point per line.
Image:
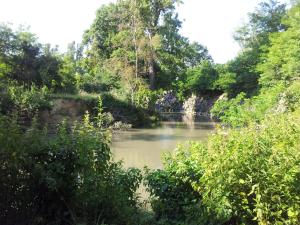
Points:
213	22
59	22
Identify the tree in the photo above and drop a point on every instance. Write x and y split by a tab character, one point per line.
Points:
201	78
152	12
254	39
266	19
140	40
24	59
282	62
70	68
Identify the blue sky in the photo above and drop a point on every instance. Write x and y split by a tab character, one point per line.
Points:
59	22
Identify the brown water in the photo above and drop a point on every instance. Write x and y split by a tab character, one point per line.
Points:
144	147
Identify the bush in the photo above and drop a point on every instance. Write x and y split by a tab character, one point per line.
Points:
20	98
101	82
242	176
241	111
251	175
173	198
293	96
68	178
145	98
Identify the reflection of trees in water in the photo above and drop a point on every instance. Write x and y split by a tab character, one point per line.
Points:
184	121
189	120
171	117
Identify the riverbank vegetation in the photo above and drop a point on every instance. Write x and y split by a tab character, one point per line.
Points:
248	171
131	62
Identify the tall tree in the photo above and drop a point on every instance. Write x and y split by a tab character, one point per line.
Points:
24	59
140	39
153	12
282	61
266	19
254	40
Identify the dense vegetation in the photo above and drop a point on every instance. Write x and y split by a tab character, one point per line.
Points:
66	179
248	172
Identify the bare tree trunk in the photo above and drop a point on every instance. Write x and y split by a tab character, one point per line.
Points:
135	43
151	69
151	72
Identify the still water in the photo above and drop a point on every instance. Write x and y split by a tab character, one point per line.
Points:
144	147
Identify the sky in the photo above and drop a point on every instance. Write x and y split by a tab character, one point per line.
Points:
59	22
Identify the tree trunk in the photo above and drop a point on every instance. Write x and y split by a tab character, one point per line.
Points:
151	72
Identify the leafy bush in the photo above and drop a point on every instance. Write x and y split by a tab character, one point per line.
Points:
173	198
226	79
241	111
251	175
145	98
68	178
29	99
23	99
292	95
240	176
101	82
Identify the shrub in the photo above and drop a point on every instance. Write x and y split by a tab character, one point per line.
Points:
20	98
251	175
201	78
67	178
173	198
247	176
293	96
145	98
241	111
240	176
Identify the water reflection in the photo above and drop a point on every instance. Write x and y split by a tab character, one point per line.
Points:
144	147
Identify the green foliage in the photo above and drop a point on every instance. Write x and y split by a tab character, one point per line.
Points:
279	79
242	176
25	60
241	111
205	78
145	98
19	98
140	40
101	82
103	119
69	70
66	179
201	78
243	68
173	198
282	60
29	99
251	174
254	37
292	96
266	19
226	79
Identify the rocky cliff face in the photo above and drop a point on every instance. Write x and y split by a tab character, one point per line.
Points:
199	106
194	105
63	109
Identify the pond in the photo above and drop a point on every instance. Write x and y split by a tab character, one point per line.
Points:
144	147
